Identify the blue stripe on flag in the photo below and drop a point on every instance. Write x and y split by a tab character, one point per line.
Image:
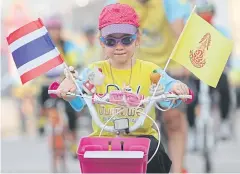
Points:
33	50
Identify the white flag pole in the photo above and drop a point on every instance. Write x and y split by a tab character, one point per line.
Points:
175	47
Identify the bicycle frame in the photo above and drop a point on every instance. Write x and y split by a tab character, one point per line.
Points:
57	138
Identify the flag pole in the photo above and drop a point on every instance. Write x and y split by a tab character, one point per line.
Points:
175	47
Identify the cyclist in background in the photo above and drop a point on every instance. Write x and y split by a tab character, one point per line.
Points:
92	51
69	52
207	11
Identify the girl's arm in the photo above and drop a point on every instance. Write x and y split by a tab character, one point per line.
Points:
169	86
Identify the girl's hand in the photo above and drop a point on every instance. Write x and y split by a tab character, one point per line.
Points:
180	88
67	85
69	71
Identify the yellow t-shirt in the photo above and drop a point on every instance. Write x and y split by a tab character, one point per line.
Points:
157	37
140	83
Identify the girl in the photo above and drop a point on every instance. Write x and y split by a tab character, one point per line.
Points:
119	38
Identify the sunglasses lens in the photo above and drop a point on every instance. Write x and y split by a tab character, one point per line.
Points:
127	40
110	42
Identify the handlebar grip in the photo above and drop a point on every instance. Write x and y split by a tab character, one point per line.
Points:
52	89
189	101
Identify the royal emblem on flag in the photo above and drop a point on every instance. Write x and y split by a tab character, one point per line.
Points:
199	56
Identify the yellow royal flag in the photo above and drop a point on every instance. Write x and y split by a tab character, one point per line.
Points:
202	50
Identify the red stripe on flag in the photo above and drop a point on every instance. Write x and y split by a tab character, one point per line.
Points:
33	73
24	30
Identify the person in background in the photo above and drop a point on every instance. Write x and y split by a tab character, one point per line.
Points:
69	52
92	51
207	11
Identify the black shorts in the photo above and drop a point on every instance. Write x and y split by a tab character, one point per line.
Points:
72	117
161	162
71	113
44	96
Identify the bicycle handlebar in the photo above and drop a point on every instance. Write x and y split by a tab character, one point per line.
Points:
100	99
126	99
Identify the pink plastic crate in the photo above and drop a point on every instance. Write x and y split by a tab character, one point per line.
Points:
98	159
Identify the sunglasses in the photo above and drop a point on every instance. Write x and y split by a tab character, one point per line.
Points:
112	42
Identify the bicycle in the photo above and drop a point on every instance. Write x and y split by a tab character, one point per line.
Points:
57	128
106	154
205	125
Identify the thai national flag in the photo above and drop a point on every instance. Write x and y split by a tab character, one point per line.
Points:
33	50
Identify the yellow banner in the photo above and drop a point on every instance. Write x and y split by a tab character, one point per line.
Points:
202	50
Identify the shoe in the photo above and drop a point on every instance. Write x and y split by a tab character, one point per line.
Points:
41	125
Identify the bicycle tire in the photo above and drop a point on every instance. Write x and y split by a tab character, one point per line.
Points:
206	153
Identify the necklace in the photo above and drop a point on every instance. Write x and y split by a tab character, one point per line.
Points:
130	78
